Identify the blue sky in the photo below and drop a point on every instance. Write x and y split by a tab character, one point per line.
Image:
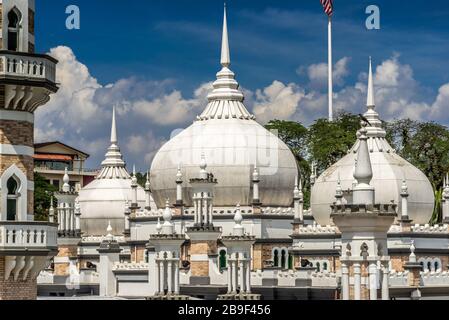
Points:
160	47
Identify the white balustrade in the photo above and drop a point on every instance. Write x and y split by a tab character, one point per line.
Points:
37	67
28	235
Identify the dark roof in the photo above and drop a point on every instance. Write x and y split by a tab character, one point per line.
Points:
44	144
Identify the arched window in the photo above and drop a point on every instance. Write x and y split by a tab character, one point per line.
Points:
429	266
422	265
283	259
290	261
318	267
12	197
222	260
436	265
14	20
147	258
325	266
276	258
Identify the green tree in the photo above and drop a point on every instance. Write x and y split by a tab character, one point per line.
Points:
42	197
328	142
295	136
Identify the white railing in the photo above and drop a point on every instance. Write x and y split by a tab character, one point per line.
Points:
31	66
16	235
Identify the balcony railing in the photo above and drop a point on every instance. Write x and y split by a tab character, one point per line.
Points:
32	66
34	235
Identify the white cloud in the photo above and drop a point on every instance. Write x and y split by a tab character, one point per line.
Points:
318	73
79	114
277	101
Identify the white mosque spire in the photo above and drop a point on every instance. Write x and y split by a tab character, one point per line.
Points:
113	128
225	54
113	165
226	99
370	98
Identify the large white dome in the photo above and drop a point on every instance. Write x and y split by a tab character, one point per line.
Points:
232	148
389	172
104	199
233	143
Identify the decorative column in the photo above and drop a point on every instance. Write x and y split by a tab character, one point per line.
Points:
134	186
446	200
148	193
127	230
385	282
298	198
256	181
372	281
248	276
169	273
51	212
345	280
230	285
179	182
77	219
242	274
235	275
357	281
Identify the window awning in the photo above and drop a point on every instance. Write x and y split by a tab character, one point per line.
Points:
54	157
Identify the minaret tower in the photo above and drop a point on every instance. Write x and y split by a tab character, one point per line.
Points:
203	234
26	82
364	225
239	246
165	261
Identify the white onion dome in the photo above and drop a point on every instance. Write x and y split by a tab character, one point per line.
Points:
104	199
234	143
389	173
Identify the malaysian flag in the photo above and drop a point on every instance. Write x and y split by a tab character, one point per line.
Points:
328	7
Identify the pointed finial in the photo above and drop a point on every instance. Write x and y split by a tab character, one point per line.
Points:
134	177
412	257
203	166
238	219
66	180
225	55
404	188
179	174
113	128
147	183
370	99
167	213
109	231
256	174
158	226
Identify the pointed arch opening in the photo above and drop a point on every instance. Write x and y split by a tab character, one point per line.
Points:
14	29
12	197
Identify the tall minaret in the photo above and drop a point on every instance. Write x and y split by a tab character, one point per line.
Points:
26	82
364	225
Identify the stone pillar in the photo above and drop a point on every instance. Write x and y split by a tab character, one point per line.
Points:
357	281
235	275
230	275
242	275
372	281
109	254
248	276
170	275
385	282
345	281
162	273
177	286
159	277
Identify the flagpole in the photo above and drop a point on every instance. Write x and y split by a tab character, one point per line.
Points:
330	72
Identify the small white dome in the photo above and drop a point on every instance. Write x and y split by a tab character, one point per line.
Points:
389	172
104	199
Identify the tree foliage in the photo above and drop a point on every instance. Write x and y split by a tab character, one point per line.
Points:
42	197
